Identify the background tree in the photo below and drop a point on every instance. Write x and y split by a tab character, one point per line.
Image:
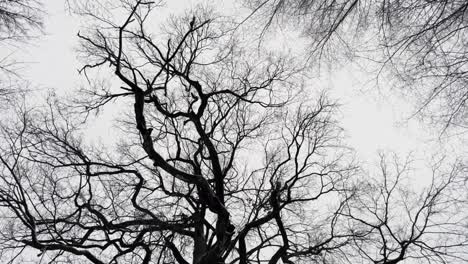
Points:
19	20
397	223
421	43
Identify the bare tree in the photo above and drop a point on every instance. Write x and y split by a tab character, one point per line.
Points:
420	43
394	222
19	20
332	28
214	163
425	46
192	190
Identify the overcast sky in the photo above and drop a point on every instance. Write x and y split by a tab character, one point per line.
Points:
372	121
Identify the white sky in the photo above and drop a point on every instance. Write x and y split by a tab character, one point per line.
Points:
372	122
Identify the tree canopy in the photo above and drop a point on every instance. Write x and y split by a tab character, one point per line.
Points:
220	154
420	43
19	21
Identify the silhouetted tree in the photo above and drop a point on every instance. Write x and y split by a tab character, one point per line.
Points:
183	185
396	222
421	43
19	19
